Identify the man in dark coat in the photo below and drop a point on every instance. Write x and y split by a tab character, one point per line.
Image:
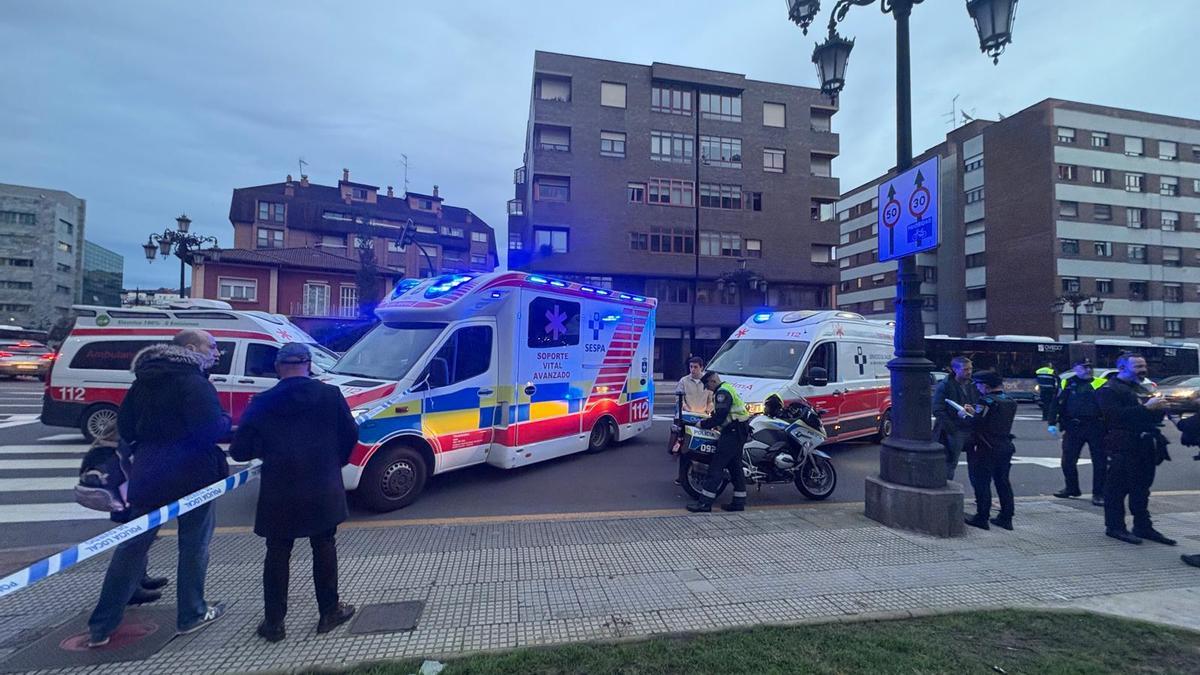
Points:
172	420
1131	439
1076	412
949	429
303	432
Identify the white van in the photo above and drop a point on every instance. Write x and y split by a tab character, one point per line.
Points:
91	370
776	353
503	368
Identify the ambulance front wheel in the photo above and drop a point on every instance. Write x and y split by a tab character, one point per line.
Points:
96	419
393	479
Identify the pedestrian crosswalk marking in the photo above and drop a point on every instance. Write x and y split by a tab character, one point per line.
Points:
42	513
1047	462
43	449
38	484
62	437
21	464
18	420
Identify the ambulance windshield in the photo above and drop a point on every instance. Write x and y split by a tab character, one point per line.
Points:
771	359
389	351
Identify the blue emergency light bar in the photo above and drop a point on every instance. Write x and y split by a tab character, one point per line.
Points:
762	318
537	280
560	284
446	283
404	286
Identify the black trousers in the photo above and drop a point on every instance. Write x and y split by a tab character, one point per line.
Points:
1130	474
276	568
728	456
1088	432
1046	394
985	467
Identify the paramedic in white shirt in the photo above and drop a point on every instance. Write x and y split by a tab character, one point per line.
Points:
696	398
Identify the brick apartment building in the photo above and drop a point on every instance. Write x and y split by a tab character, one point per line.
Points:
625	164
295	245
41	254
1060	197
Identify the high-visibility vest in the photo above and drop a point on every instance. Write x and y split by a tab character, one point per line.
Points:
1046	377
737	412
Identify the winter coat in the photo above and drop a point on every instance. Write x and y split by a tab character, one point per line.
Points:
1129	426
993	426
1075	404
172	419
946	417
303	432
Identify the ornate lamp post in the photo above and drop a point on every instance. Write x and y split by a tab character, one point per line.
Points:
742	280
911	491
1076	300
184	245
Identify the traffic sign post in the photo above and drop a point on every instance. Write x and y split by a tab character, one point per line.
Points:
910	208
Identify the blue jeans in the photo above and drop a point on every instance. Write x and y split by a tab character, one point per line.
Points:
128	566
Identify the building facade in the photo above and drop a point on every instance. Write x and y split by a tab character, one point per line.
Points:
1061	197
634	176
103	276
41	254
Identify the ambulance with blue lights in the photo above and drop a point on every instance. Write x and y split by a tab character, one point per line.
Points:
505	368
837	361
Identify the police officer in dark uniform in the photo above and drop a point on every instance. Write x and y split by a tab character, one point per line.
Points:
1076	413
730	417
990	458
1132	441
1047	385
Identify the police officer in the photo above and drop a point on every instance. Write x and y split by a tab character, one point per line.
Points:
1047	384
1131	439
730	417
989	459
1076	412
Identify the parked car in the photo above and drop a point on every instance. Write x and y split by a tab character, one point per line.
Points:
24	358
1181	392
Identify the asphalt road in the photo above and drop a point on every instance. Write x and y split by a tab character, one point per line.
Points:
38	466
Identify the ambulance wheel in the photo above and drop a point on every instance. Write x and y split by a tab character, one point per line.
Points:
96	419
393	479
885	426
602	435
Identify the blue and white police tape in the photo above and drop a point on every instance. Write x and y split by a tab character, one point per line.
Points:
110	539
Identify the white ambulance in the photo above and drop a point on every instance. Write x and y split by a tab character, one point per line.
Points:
91	370
505	368
835	360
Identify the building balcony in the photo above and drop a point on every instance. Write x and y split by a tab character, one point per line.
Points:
316	310
516	207
824	188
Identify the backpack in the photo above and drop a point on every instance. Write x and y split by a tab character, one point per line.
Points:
104	481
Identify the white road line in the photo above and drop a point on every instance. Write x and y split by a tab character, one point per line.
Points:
75	449
19	405
1047	462
62	437
18	420
18	464
38	484
42	513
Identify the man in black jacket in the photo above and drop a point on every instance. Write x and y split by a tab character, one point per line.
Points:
949	429
303	432
1076	412
1189	428
172	419
1131	419
989	457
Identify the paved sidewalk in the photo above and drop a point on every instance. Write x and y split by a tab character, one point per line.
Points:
502	584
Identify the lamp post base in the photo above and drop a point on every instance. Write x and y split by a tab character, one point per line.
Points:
936	511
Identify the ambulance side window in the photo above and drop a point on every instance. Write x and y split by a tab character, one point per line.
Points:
109	354
225	360
467	354
824	356
553	323
260	360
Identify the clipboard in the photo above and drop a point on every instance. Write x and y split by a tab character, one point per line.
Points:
959	408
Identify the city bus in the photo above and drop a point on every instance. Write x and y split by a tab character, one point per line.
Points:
1015	357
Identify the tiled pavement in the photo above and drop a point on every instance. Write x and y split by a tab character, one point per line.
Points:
504	585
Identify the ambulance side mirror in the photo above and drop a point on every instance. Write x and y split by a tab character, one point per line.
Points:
817	377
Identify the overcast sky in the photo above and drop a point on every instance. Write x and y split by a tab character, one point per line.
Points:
149	108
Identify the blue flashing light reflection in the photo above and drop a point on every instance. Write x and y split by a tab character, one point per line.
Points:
762	318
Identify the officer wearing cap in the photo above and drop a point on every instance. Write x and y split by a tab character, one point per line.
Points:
730	417
1076	411
990	458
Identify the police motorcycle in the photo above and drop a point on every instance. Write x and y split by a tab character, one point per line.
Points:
782	448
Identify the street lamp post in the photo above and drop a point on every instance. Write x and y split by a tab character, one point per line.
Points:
1076	300
911	491
742	280
185	246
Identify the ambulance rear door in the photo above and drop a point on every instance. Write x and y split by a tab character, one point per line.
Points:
548	397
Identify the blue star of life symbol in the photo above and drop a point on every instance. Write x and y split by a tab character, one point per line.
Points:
557	326
595	325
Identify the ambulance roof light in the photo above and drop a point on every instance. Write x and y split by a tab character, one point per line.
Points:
496	294
625	296
587	289
601	291
446	283
639	298
762	318
533	278
557	283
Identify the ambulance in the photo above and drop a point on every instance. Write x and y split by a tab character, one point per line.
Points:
503	368
835	360
91	373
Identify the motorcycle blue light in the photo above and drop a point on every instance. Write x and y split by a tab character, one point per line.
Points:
762	318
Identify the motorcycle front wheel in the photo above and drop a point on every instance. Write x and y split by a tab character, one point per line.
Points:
691	479
817	478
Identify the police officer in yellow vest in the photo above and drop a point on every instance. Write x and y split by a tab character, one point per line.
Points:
1047	384
730	417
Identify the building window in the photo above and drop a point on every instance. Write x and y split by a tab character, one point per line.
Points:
1170	220
551	189
516	207
975	195
1103	249
479	237
332	241
977	293
1172	256
1104	286
672	240
1070	284
270	212
450	231
672	292
1196	186
1066	171
721	151
721	107
666	191
1133	146
753	248
316	299
773	115
773	160
551	88
1168	150
639	241
358	194
1135	217
1069	246
612	144
727	244
1066	135
17	285
63	268
1068	209
666	146
976	260
239	290
269	238
550	139
1139	326
973	164
1101	176
1173	328
17	218
1106	323
612	94
547	240
1168	186
478	260
1137	253
1137	290
514	242
635	193
65	290
1133	182
878	305
822	254
1172	293
820	166
752	200
820	121
63	247
348	301
1102	211
673	101
716	196
1099	139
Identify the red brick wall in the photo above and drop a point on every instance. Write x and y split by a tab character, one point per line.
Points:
214	271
